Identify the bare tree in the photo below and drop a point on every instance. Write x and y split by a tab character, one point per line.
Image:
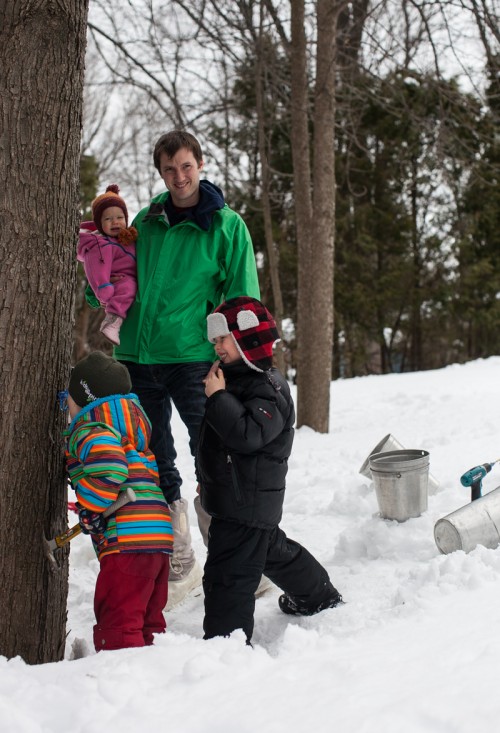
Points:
315	210
40	108
154	49
272	251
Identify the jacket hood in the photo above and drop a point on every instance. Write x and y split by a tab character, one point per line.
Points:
121	412
88	226
87	241
211	200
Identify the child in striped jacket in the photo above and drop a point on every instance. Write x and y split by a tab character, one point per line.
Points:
107	452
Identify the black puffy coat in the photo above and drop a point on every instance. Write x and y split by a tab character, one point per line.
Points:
245	440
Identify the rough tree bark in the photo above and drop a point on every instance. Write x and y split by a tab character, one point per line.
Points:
315	212
42	48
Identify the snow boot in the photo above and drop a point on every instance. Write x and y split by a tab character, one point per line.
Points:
185	572
204	519
264	585
110	327
204	523
300	607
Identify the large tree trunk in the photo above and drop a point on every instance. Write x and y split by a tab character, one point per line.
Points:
315	213
42	48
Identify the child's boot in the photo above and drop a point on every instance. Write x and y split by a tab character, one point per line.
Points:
110	327
264	585
296	606
204	519
185	572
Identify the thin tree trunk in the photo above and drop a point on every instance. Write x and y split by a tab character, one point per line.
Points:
42	47
302	194
272	253
315	214
415	307
317	404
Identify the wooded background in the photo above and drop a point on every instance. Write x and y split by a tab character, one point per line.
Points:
414	124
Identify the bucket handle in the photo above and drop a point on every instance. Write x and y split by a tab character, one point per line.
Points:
387	473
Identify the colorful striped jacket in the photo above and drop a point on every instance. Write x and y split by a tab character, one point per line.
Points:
107	452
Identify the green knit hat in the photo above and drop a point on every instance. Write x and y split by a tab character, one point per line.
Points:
96	376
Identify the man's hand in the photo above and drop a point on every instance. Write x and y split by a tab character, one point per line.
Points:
214	381
91	522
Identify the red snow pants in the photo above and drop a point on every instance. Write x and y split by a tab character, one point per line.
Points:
130	595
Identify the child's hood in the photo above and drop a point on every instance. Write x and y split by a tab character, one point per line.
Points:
88	226
88	238
121	412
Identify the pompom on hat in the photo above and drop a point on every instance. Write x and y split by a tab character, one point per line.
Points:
96	376
252	327
111	198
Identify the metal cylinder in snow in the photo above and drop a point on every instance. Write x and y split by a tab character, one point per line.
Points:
401	479
477	523
390	443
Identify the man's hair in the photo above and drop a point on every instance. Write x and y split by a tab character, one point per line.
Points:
171	142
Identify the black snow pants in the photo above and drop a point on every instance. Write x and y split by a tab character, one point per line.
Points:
237	558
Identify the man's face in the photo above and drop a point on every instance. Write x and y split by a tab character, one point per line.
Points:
181	175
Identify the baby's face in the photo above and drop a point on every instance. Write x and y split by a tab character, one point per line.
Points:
112	220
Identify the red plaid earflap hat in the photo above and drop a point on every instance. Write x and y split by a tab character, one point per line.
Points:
252	327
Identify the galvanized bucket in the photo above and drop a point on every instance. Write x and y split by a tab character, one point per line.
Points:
401	480
390	443
477	523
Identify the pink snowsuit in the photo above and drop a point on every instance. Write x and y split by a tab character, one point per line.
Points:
104	257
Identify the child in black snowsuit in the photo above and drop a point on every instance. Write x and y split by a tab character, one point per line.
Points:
245	441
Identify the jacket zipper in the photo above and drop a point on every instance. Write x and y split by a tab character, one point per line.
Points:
237	490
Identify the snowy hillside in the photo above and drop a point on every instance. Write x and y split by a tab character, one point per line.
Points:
415	648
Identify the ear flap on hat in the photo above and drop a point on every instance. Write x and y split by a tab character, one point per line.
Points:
216	326
246	320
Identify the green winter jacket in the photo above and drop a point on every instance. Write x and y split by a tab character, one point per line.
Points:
183	273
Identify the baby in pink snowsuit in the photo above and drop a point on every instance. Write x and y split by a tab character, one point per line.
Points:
107	251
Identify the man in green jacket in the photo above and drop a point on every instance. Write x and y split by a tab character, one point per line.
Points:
193	252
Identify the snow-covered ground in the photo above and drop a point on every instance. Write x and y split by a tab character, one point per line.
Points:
415	648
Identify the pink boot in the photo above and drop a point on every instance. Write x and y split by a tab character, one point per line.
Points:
110	327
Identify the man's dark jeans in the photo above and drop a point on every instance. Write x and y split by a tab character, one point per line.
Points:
157	386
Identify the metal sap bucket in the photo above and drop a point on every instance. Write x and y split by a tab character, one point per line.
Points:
390	443
477	523
401	480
